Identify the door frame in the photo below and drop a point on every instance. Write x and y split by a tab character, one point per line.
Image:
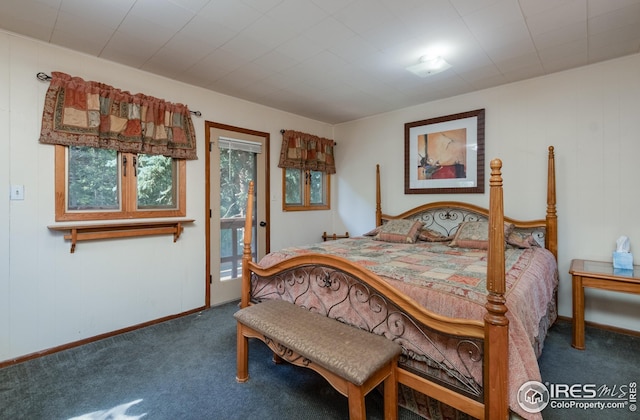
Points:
208	125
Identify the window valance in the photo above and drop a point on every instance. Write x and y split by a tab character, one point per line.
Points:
306	151
86	113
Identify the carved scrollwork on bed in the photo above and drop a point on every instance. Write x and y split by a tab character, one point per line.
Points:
452	361
446	220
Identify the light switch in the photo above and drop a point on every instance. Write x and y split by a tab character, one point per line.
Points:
17	192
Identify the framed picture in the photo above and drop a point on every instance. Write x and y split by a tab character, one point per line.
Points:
445	155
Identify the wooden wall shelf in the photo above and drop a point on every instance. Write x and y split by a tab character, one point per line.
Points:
87	231
333	236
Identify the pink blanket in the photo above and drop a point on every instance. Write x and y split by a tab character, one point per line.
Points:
451	281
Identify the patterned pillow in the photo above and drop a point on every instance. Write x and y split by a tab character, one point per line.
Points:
372	232
476	234
430	235
521	240
399	230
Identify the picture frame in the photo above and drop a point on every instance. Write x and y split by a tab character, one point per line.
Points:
445	155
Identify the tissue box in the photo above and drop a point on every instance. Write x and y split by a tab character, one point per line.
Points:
623	260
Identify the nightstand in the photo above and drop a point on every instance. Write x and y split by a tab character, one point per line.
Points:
597	275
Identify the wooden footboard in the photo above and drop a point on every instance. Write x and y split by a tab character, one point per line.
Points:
449	350
473	377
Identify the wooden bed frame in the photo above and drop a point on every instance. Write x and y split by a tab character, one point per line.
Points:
492	334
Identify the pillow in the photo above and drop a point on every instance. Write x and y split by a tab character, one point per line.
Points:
372	232
522	240
430	235
399	230
476	234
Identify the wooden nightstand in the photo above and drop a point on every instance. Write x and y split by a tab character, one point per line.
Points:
598	275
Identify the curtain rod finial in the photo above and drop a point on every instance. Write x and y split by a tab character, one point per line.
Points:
43	76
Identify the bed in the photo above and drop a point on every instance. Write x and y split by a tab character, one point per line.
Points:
469	299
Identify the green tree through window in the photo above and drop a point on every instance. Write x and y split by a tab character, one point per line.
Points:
103	184
155	181
305	190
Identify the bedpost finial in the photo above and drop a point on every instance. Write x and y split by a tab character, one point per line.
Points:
496	175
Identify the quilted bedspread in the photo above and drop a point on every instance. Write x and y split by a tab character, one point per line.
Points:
452	282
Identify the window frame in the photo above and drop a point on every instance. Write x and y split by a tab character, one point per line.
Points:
128	187
306	192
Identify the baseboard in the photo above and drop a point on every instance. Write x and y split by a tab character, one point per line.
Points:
611	328
168	318
78	343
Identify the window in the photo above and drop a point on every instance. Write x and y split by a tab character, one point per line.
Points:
305	189
102	184
307	161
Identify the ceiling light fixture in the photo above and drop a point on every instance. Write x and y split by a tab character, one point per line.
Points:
428	66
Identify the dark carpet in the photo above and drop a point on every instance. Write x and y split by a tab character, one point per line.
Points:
609	361
185	369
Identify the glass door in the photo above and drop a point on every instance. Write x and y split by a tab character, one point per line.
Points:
236	158
238	166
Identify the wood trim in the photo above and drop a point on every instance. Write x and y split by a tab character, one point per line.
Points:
460	402
551	235
333	236
378	198
603	327
267	153
208	125
88	232
207	215
95	338
496	344
306	193
246	250
129	198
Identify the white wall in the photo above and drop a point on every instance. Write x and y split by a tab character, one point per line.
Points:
590	115
50	297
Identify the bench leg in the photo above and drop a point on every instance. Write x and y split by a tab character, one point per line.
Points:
357	408
242	355
391	395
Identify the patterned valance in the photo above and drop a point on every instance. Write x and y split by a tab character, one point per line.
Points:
306	151
81	113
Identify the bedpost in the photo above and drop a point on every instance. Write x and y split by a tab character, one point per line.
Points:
496	324
246	249
378	206
551	236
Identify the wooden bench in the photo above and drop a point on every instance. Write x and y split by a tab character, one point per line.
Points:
354	361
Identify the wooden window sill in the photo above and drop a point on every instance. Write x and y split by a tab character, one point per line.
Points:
91	231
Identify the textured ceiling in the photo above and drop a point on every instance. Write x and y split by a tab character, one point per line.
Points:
335	60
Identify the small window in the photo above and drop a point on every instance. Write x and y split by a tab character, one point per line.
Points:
101	184
305	190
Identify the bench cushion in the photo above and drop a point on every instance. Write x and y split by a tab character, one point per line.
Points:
347	351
